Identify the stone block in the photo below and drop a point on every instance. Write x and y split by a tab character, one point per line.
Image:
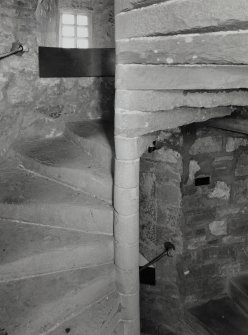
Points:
130	306
218	228
222	47
230	270
180	16
193	169
132	327
127	173
126	200
237	226
242	165
233	143
135	124
127	281
127	256
240	191
221	191
130	148
196	242
207	144
169	195
150	100
185	77
126	228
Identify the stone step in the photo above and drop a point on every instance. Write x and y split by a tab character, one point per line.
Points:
181	77
29	250
62	160
96	137
31	198
238	292
221	317
41	304
119	330
96	320
155	101
177	16
224	47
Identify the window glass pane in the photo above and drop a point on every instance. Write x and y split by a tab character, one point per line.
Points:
68	31
82	43
68	18
82	32
82	20
68	43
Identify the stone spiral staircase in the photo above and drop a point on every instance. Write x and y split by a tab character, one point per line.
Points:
57	273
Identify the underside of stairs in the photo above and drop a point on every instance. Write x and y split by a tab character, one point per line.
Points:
57	273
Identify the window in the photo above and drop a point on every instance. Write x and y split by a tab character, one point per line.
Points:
75	29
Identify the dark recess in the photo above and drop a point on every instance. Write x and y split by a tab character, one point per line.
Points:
202	181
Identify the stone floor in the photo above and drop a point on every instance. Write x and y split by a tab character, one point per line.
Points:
222	317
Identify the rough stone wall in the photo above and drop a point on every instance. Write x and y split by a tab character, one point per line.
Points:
103	23
215	229
33	106
160	221
207	223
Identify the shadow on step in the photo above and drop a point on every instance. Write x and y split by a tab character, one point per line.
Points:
227	315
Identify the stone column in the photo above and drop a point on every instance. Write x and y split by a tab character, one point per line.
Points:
126	204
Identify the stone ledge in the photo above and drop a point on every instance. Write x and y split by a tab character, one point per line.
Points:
135	123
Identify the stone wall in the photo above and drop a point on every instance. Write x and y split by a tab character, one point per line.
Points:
207	223
33	106
215	215
160	221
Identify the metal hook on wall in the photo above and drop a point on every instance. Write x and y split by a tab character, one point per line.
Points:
16	49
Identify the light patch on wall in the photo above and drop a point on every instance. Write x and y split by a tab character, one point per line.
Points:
218	228
221	191
193	169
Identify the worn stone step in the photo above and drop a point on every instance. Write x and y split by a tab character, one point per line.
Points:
29	250
31	198
96	137
96	320
181	77
38	305
63	160
238	292
225	47
172	17
119	330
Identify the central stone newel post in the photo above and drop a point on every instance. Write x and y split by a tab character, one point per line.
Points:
126	203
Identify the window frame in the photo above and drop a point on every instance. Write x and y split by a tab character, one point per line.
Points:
76	12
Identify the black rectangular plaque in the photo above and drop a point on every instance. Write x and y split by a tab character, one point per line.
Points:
148	276
70	63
